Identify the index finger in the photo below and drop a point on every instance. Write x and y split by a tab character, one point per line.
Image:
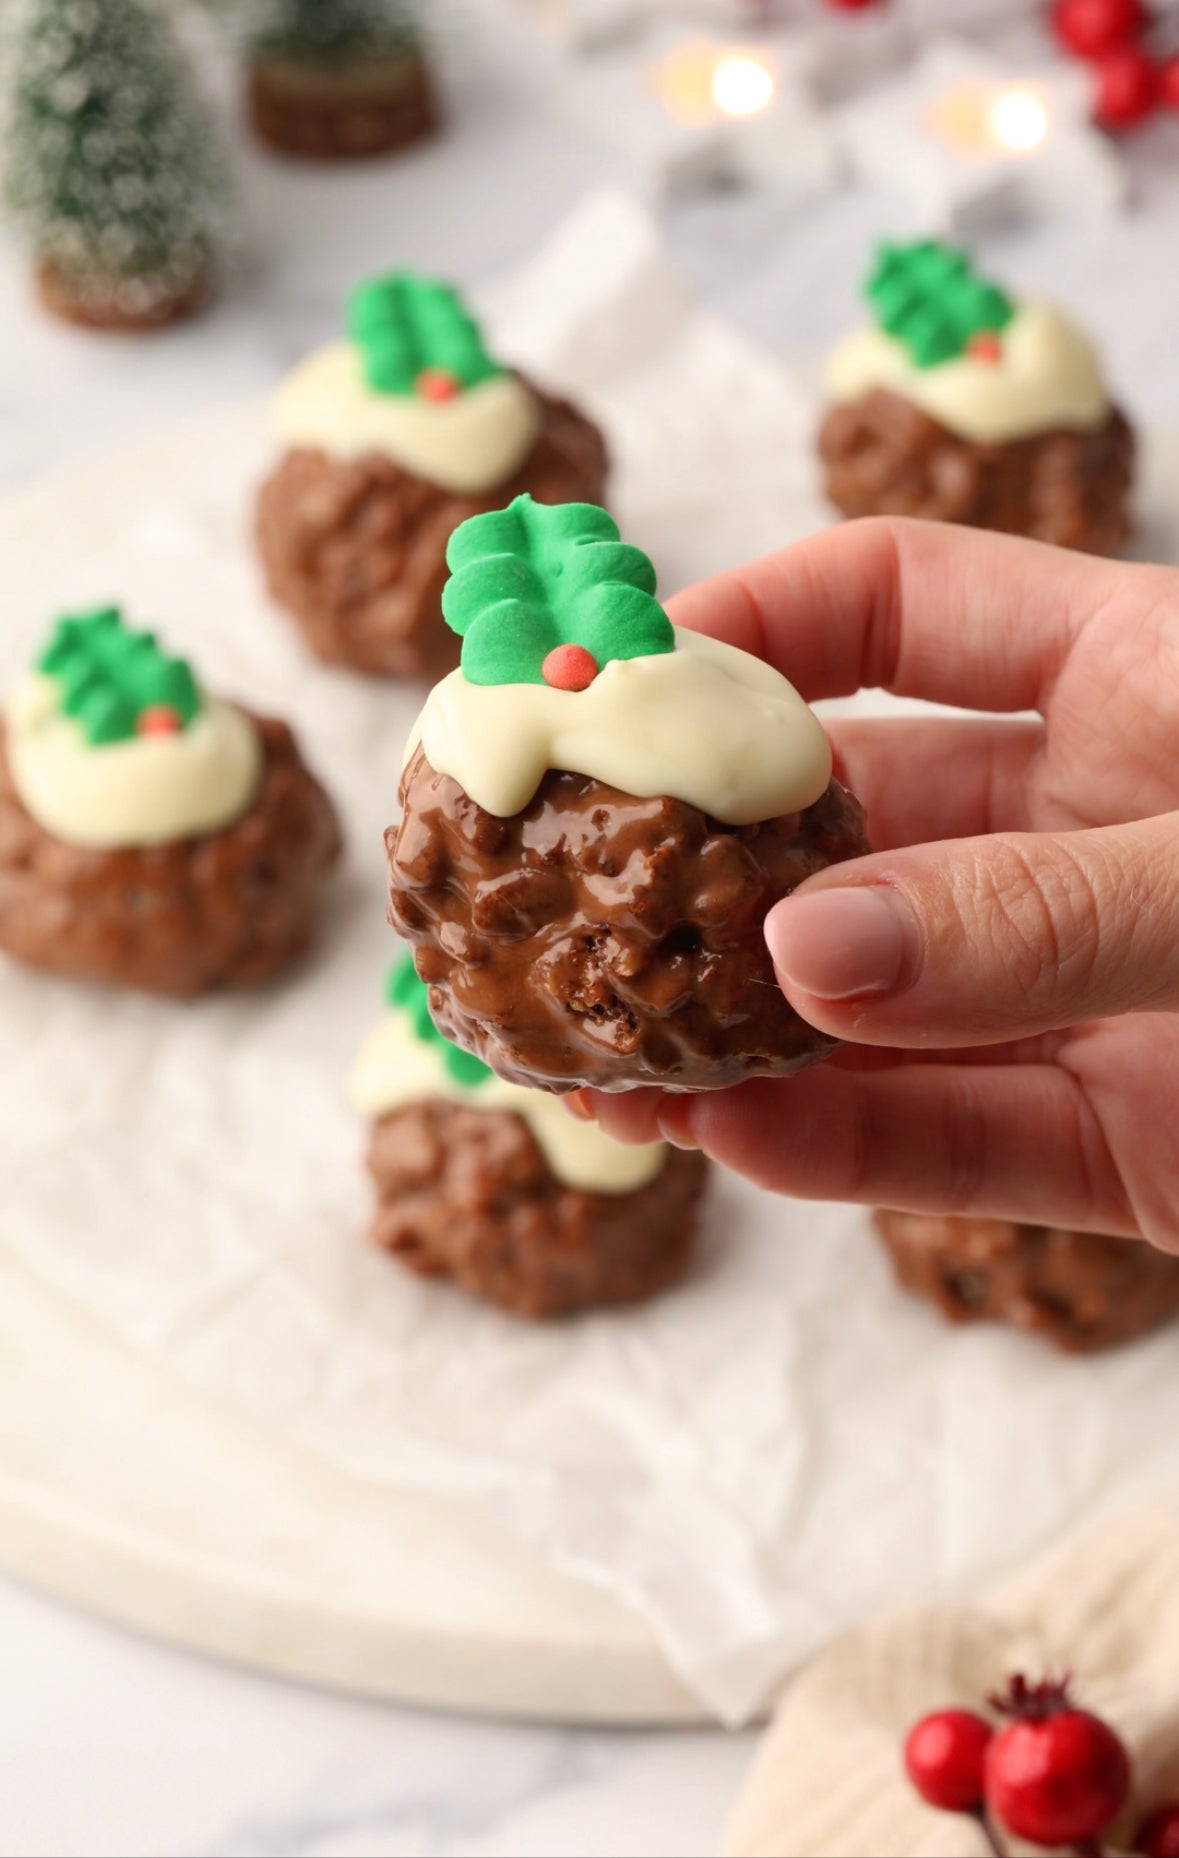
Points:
956	616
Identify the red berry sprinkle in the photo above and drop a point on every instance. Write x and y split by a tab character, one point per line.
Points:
1055	1775
944	1756
569	667
437	384
1158	1836
1091	28
985	346
1127	88
160	719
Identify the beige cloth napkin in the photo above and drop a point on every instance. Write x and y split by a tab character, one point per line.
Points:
827	1781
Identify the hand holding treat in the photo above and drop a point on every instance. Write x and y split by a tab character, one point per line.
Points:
1005	968
599	811
151	835
393	438
961	404
502	1191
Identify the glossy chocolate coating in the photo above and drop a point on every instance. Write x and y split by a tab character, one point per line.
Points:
885	457
596	938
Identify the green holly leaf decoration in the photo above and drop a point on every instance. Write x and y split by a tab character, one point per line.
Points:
416	337
404	989
928	297
535	577
117	683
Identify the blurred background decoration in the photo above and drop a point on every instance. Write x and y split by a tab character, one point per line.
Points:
846	45
340	81
115	171
965	138
966	110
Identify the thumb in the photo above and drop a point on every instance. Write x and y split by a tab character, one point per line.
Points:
973	941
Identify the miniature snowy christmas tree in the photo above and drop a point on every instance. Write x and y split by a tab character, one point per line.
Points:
114	169
337	31
333	79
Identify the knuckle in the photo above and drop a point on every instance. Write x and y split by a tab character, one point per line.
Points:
963	1145
1036	903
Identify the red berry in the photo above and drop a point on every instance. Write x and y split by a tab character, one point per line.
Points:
851	6
985	346
1158	1836
437	384
1167	84
1127	88
160	719
1056	1775
944	1759
569	667
1091	28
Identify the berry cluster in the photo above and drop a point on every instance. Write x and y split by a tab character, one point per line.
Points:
1129	84
1048	1772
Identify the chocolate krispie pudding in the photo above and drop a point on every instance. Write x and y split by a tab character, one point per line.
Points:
500	1190
961	404
599	810
1081	1290
151	834
391	439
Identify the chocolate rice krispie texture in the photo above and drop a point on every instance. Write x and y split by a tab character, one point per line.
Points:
467	1194
356	551
885	457
230	909
1081	1290
596	938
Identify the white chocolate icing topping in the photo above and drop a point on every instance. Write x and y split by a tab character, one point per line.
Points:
468	444
151	790
396	1068
1048	375
705	723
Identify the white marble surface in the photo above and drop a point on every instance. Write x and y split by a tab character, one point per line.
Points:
112	1746
108	1745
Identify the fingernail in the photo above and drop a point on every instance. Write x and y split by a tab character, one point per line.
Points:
672	1123
844	944
578	1107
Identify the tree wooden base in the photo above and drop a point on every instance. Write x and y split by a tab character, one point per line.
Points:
101	304
352	113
